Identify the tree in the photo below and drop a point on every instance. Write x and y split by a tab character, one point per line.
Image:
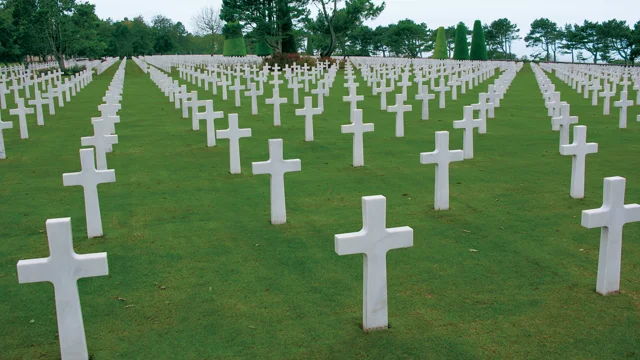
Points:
592	38
461	51
408	39
267	19
233	40
618	35
500	35
380	40
164	41
635	41
544	34
570	40
478	44
335	22
207	21
440	49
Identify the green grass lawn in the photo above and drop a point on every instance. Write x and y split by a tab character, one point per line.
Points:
205	275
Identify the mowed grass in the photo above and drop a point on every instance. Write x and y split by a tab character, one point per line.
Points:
198	272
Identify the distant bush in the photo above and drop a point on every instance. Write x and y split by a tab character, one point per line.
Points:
234	44
72	70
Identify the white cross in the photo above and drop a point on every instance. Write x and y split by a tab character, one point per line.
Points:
443	90
209	116
483	106
595	86
579	150
276	166
563	123
425	97
623	104
308	112
63	268
38	101
442	156
22	113
468	123
89	178
321	91
611	217
405	83
383	90
353	97
293	84
3	125
276	100
101	140
237	87
234	134
399	108
253	92
50	96
607	94
3	92
357	128
191	102
374	241
554	104
224	82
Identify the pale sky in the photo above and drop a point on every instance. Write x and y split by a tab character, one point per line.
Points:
434	13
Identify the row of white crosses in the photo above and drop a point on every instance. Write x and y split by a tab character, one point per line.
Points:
64	267
613	214
593	78
178	94
26	81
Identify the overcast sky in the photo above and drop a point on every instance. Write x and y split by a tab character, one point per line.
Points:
434	13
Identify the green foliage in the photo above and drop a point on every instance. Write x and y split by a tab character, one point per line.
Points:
407	39
478	44
262	48
499	36
235	47
461	51
310	49
335	27
440	49
545	35
592	38
72	70
271	20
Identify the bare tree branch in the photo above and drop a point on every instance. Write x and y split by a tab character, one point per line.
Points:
207	21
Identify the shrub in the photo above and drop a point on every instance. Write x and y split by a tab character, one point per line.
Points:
72	70
234	44
461	51
478	45
440	51
262	48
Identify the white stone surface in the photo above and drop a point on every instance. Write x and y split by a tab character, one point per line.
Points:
210	117
101	141
357	128
22	113
468	123
611	217
424	96
234	134
308	112
579	150
38	102
399	108
442	157
276	101
3	125
89	178
563	123
374	241
63	268
623	104
276	166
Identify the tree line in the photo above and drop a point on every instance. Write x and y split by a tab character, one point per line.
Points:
60	28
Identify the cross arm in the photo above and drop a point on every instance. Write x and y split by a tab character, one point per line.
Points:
31	271
91	265
351	243
595	218
631	213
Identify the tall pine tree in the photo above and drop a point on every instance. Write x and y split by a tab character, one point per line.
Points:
478	45
461	51
440	50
